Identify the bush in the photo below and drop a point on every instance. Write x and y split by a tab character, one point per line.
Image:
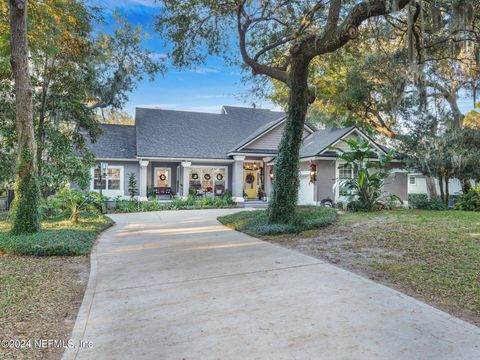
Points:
177	203
421	202
57	237
72	202
469	201
256	222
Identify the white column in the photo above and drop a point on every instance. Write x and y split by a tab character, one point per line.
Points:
267	179
143	180
237	179
186	177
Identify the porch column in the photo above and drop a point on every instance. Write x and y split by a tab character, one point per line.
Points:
237	179
266	174
142	174
186	177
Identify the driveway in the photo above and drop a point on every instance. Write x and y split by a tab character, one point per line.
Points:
179	285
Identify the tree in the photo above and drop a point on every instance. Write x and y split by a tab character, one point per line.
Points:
26	216
76	73
366	187
132	185
280	39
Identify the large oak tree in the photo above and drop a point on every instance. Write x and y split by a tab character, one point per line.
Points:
26	216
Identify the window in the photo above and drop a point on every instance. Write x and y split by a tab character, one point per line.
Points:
162	177
207	180
345	172
112	181
413	180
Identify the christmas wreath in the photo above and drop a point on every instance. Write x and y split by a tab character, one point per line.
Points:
207	177
249	179
194	176
163	177
219	177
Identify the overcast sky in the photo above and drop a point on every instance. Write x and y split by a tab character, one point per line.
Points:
205	88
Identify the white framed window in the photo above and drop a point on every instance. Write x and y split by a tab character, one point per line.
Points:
413	180
111	184
206	179
345	171
162	177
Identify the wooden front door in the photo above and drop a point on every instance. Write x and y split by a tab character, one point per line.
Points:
250	183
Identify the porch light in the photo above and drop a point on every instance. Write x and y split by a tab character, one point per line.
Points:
271	173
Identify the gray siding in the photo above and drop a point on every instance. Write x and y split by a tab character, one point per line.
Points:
271	139
325	179
397	183
128	167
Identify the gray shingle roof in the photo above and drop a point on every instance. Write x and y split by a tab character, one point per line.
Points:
321	139
116	142
183	134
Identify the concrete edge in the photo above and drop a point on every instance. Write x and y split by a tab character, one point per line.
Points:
81	320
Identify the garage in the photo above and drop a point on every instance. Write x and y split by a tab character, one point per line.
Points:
306	190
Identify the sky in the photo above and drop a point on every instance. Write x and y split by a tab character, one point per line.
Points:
205	88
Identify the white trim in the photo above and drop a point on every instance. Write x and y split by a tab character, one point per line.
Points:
239	158
190	159
115	159
107	192
348	134
169	177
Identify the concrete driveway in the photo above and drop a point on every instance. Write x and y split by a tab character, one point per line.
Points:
179	285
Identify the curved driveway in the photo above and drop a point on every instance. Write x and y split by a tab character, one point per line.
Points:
179	285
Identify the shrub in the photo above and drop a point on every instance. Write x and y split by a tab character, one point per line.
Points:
421	202
417	201
469	201
256	222
73	202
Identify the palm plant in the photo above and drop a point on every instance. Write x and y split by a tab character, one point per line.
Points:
365	188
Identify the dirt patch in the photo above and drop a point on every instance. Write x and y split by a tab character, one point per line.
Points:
39	300
377	247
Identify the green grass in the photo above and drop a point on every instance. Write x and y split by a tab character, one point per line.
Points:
58	237
441	252
255	222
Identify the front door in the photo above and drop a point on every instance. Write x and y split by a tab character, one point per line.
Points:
250	183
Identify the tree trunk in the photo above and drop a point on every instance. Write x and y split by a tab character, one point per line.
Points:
282	206
447	195
466	186
440	185
25	209
431	188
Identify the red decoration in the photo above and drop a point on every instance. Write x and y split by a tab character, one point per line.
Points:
313	172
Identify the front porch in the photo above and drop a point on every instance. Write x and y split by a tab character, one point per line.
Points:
246	178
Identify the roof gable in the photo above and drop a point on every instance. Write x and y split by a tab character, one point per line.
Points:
319	142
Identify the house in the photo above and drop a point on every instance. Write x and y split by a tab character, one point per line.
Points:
181	152
417	184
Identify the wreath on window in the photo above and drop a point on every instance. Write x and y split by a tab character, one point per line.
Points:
162	177
194	176
207	177
219	177
249	179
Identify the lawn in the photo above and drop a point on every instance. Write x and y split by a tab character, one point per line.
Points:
40	295
255	222
57	237
431	255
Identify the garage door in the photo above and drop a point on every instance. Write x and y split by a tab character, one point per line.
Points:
306	190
